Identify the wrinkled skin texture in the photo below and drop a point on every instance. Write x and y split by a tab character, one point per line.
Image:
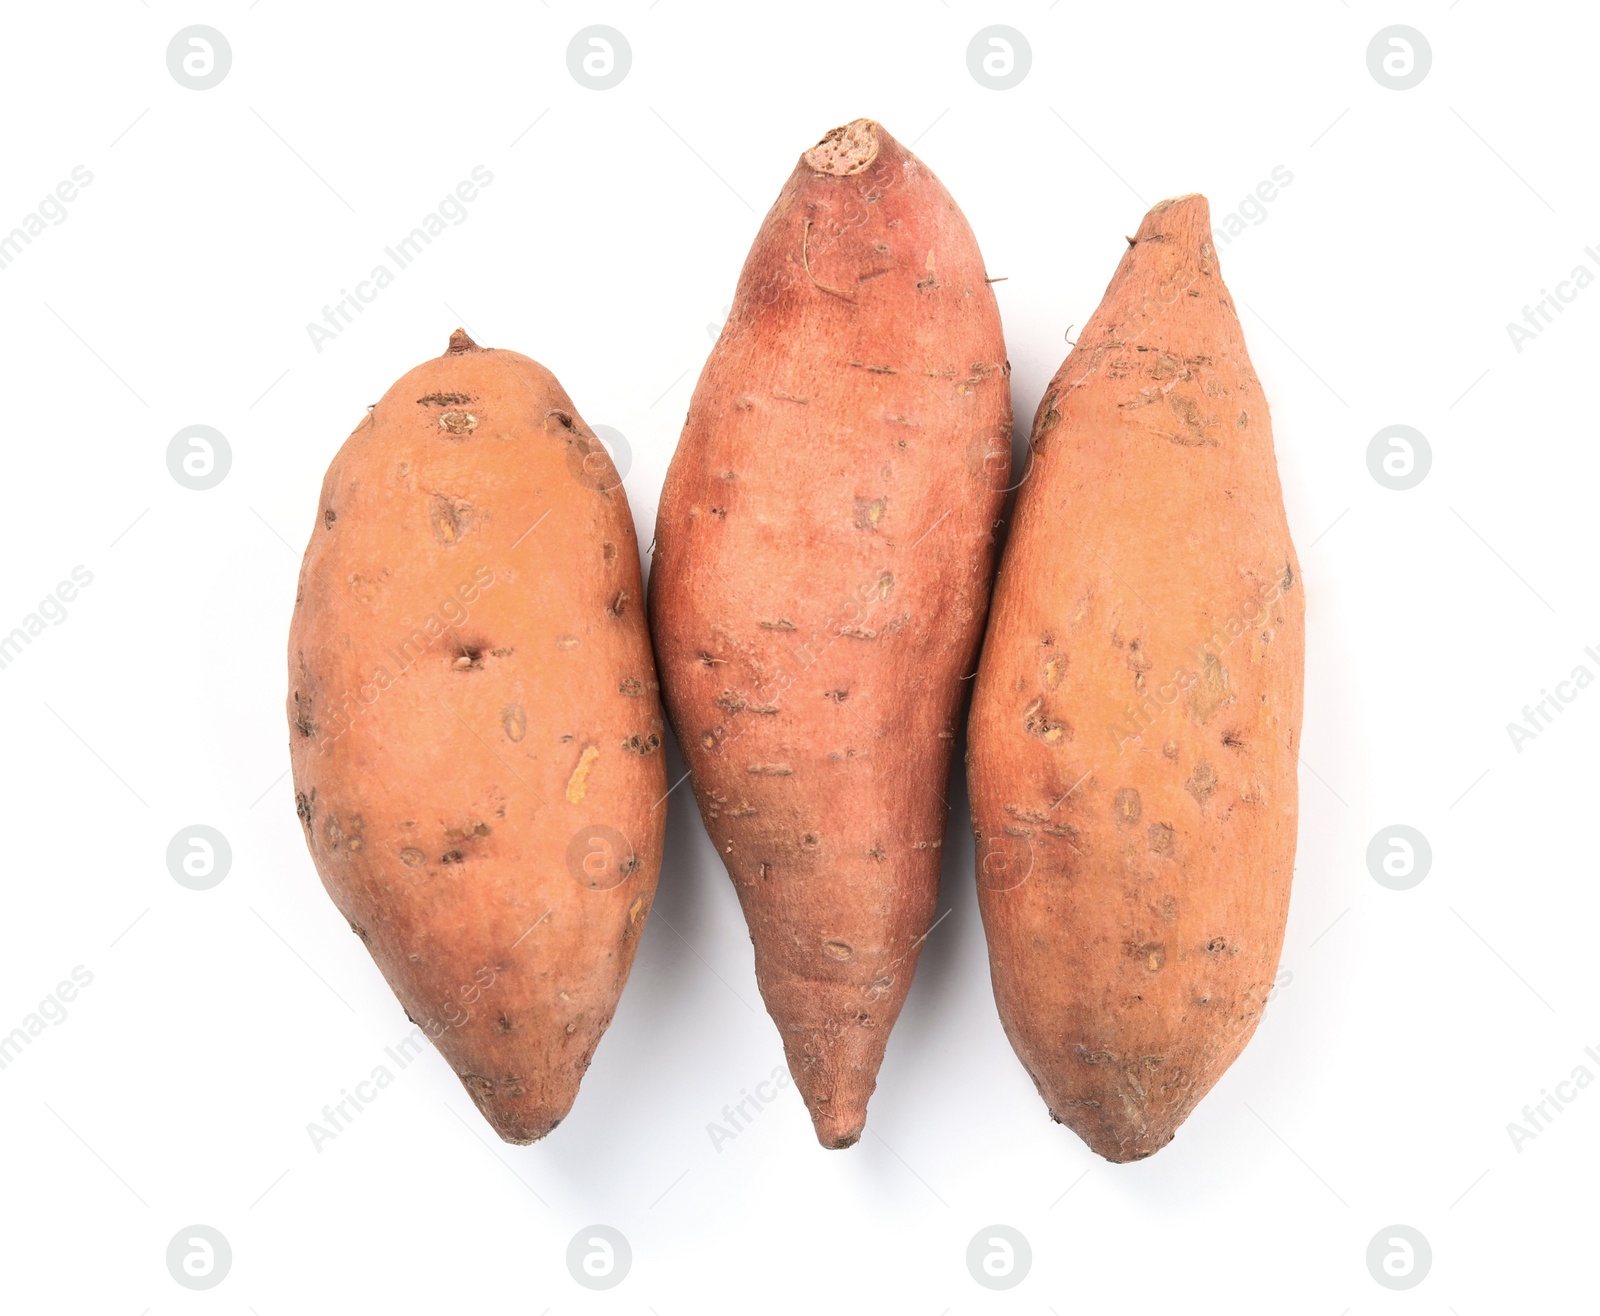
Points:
475	724
1133	735
819	584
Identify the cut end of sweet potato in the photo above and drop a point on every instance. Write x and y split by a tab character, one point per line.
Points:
844	151
460	342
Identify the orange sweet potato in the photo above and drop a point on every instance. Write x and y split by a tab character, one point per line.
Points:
475	723
821	574
1133	734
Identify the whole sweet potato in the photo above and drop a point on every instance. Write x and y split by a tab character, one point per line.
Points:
475	725
821	574
1134	726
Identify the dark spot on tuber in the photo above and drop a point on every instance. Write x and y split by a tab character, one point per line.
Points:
1035	723
303	711
643	745
1202	783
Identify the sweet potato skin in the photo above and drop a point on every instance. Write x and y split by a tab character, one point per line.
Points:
475	726
820	578
1133	734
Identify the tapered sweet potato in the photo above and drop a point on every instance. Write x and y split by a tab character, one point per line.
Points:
820	579
1132	743
475	723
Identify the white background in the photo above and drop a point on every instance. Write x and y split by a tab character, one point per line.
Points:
1410	1026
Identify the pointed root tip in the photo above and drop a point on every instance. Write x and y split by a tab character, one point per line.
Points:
1117	1145
845	150
841	1127
515	1122
1190	211
520	1133
461	341
836	1138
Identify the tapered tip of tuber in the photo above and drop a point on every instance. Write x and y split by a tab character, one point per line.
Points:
519	1117
846	150
460	342
517	1132
1176	215
836	1132
1119	1141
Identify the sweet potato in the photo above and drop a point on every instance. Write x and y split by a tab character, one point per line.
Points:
475	722
821	574
1132	742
